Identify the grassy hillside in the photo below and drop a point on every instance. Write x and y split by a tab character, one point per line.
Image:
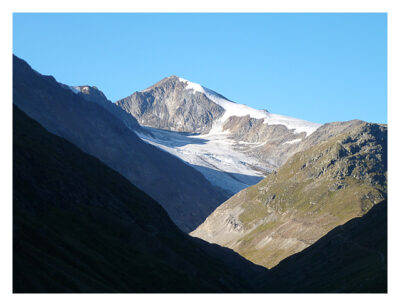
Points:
350	258
316	190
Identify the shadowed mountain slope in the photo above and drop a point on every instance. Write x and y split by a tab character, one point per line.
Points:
350	258
93	94
184	193
79	226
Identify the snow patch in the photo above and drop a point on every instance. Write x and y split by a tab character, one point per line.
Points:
292	141
292	123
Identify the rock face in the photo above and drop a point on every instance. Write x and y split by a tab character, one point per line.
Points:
171	106
269	144
185	194
336	178
273	144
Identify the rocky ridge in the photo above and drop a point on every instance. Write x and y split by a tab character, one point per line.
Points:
336	178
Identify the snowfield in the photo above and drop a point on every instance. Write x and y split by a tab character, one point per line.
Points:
213	155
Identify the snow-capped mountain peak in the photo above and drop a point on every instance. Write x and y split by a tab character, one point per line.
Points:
239	110
233	145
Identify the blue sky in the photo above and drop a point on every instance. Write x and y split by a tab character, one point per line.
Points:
317	67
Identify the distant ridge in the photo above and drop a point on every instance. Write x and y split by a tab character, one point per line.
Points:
97	127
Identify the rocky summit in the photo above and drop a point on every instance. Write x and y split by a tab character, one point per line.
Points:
169	105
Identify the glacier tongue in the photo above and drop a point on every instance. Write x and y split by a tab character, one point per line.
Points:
213	155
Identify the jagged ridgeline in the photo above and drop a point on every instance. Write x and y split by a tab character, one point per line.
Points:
338	178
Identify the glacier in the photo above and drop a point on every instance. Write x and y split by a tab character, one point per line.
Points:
211	154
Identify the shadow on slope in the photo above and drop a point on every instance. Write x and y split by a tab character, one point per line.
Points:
173	139
229	181
79	226
350	258
185	194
